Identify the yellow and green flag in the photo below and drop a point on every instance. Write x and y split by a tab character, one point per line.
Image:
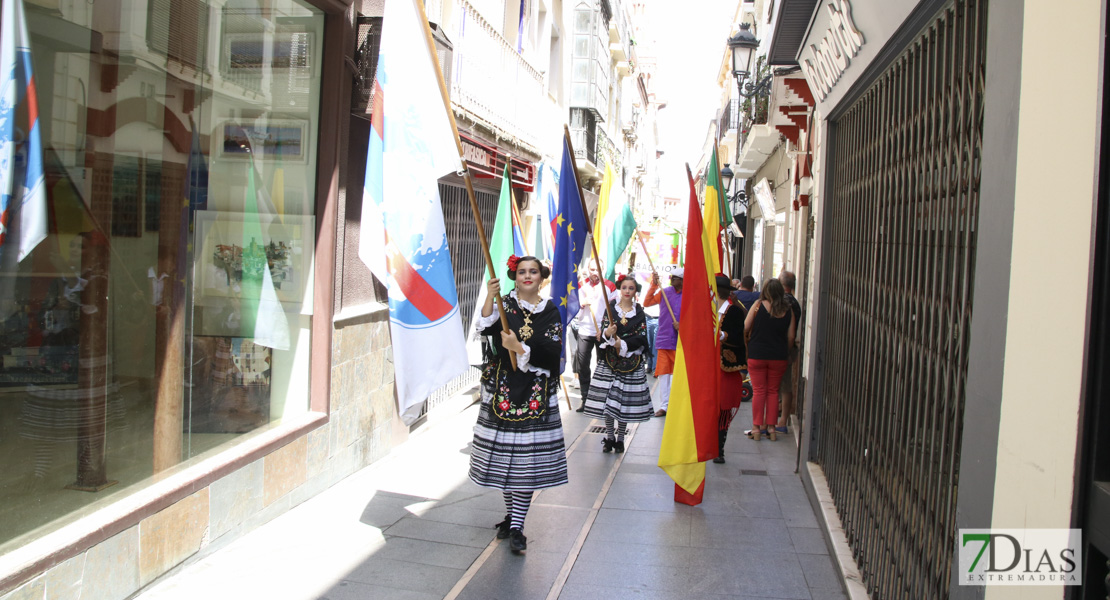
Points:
713	216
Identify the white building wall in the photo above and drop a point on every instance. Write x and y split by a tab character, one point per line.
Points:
1051	254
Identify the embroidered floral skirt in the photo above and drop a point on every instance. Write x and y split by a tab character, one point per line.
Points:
518	455
625	396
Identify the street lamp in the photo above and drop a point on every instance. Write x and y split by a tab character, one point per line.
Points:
743	46
726	177
739	199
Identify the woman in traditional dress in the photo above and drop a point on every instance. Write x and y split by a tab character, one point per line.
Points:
734	360
518	440
619	390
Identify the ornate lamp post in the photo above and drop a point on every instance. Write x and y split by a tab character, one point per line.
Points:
743	46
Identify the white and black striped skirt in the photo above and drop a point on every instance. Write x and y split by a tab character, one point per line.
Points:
518	455
625	396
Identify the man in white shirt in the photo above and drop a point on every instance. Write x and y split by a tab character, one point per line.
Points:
586	323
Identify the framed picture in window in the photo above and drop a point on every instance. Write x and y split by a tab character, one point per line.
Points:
292	52
268	139
231	384
228	254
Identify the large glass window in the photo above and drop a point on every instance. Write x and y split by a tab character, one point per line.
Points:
590	62
167	312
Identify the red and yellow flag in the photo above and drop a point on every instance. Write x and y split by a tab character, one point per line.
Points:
690	434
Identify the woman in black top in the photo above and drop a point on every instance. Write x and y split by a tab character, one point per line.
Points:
770	329
518	440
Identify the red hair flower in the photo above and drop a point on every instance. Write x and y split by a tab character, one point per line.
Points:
513	261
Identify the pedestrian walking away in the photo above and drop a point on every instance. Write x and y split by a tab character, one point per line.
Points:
619	391
666	338
770	328
734	360
518	440
789	377
746	295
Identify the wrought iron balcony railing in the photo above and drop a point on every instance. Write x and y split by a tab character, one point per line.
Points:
491	80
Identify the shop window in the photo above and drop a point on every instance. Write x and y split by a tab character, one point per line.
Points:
166	316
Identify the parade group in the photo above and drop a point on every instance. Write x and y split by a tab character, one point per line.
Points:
518	439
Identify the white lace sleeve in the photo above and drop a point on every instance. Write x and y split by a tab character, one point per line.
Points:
482	322
523	361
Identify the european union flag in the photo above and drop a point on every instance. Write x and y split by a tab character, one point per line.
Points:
570	242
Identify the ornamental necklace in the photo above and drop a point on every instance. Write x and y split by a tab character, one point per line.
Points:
526	329
624	320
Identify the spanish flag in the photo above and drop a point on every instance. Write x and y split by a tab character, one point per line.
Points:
690	434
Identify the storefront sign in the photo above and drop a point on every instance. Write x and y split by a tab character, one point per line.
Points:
825	60
476	155
488	162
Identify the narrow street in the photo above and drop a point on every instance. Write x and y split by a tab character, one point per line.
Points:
413	526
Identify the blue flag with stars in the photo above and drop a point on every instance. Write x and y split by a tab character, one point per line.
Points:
570	242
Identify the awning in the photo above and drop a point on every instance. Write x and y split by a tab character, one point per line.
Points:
790	31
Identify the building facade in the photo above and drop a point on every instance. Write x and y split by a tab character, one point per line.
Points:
933	326
195	348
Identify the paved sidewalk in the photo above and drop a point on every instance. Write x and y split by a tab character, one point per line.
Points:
413	526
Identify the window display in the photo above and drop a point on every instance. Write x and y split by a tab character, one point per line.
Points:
167	311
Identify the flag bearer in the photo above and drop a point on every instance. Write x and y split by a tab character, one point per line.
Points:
518	440
619	390
734	359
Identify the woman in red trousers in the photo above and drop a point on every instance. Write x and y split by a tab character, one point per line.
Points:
770	328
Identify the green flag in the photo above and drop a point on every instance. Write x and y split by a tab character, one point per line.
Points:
253	257
713	179
501	242
619	227
500	249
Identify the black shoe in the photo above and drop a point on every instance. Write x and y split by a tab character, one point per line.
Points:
503	528
607	445
581	408
719	460
618	446
517	542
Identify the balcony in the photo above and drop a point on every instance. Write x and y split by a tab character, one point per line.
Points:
493	84
729	120
757	145
593	148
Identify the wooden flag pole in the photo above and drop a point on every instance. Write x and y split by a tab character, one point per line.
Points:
656	273
566	394
589	226
465	171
